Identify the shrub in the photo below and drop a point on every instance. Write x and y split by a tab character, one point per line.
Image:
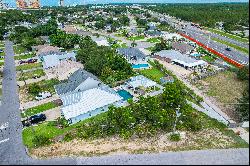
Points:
175	137
41	140
68	137
62	122
34	89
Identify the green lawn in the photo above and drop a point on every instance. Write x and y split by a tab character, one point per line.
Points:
152	73
244	50
2	54
24	56
123	45
136	38
38	109
208	58
1	63
30	74
153	40
245	40
49	130
19	49
28	66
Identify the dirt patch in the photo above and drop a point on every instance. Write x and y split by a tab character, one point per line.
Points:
204	139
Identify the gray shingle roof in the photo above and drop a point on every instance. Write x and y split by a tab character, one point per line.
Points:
129	52
182	47
74	81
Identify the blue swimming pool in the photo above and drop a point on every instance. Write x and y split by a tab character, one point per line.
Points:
196	55
138	66
125	94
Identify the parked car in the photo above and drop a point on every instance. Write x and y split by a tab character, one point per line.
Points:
228	49
1	51
37	118
43	95
21	62
32	61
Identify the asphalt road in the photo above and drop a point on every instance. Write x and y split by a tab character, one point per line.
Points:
202	37
12	150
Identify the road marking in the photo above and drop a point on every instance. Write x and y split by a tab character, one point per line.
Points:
5	125
5	140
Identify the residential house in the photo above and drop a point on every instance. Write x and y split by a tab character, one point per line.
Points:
100	41
182	47
52	60
84	96
133	55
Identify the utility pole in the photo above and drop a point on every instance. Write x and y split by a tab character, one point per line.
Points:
178	114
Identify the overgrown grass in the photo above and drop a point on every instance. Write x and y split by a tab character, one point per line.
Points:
24	56
1	63
244	50
235	37
31	74
38	109
28	66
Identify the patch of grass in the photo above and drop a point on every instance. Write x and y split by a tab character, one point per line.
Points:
225	87
152	73
208	58
19	49
244	50
49	130
245	40
153	40
31	74
136	38
1	63
45	85
38	109
28	66
24	56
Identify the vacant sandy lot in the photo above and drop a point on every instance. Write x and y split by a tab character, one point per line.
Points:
199	140
223	89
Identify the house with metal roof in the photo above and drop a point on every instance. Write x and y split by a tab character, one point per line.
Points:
180	59
80	80
100	41
88	103
84	96
153	33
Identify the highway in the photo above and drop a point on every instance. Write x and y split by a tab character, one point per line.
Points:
206	38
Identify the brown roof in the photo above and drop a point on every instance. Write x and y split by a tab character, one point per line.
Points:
182	47
38	47
48	49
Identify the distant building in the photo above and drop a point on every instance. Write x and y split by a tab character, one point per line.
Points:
28	4
183	47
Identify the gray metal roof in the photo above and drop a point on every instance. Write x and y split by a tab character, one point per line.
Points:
74	81
153	32
172	54
129	52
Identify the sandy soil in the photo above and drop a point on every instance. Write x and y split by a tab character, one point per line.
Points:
115	145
